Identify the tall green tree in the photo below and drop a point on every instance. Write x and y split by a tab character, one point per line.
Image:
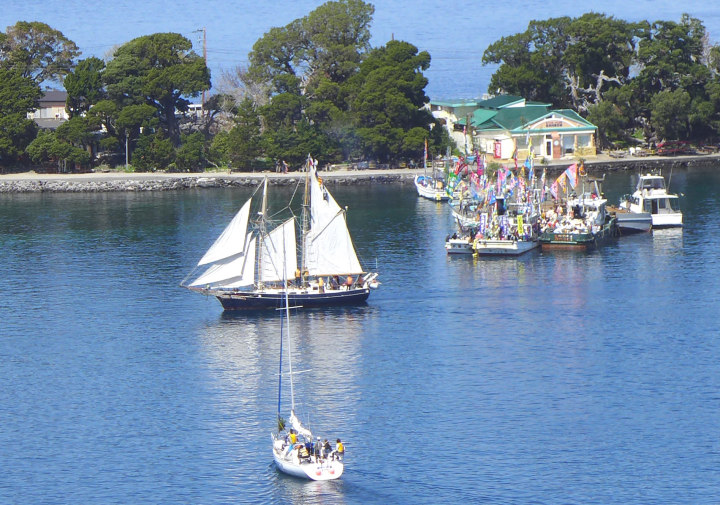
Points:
599	54
37	51
160	70
388	98
673	72
670	113
84	86
18	96
325	46
240	146
530	63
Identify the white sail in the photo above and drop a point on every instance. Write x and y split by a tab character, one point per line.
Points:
295	423
233	272
231	241
328	248
279	253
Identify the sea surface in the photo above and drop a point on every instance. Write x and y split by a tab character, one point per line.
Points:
455	33
552	378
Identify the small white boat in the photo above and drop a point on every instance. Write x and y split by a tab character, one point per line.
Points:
430	188
293	449
504	247
632	222
459	245
651	197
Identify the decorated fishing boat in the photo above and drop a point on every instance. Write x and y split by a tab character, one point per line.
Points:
584	224
254	263
501	212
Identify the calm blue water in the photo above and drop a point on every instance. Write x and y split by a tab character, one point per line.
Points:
454	33
553	378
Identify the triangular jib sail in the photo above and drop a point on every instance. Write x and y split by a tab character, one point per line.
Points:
231	257
231	241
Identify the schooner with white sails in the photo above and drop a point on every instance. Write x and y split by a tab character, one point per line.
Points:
251	267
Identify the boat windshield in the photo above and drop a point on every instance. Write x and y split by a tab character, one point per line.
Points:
652	183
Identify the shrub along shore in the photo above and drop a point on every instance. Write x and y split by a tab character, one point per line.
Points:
31	182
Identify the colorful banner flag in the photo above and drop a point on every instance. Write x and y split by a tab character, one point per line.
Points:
571	173
562	181
554	190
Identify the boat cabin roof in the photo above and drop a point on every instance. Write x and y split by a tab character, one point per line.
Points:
651	182
588	200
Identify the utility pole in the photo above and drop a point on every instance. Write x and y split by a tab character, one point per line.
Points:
127	140
202	106
204	42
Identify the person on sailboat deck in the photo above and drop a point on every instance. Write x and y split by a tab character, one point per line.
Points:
292	437
339	450
326	449
303	452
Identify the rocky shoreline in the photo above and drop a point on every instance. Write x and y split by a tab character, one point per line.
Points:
97	183
111	182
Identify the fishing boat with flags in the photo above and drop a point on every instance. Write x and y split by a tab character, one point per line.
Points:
580	221
254	263
500	216
294	450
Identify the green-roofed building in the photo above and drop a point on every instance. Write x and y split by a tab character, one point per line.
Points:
505	124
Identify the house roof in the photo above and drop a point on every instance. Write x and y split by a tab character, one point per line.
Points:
514	117
479	117
53	95
49	123
500	101
455	103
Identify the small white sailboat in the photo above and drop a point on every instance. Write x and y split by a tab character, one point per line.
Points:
431	187
294	451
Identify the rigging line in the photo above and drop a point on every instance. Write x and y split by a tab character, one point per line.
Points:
341	211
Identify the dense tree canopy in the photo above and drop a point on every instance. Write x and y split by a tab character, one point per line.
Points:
159	70
660	78
37	51
18	97
85	86
316	86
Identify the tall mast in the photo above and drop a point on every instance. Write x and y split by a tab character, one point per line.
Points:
262	230
425	160
289	351
305	219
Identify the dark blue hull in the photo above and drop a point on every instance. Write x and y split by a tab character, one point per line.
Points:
255	301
